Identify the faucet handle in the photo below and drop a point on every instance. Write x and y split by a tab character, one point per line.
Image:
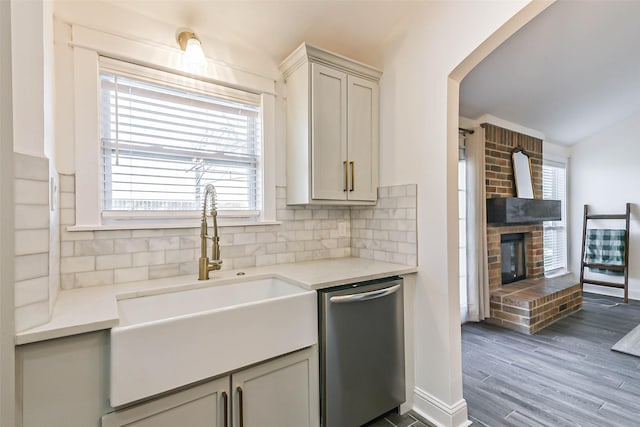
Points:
215	264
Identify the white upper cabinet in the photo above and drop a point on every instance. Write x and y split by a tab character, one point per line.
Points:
329	137
363	138
332	128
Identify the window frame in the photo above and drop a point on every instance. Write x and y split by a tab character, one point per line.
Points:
88	46
164	79
463	273
559	162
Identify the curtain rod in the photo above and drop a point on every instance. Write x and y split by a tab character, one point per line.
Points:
465	131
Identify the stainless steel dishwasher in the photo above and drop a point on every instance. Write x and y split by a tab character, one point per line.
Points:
361	351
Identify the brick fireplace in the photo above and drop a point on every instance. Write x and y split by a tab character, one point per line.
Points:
499	144
531	304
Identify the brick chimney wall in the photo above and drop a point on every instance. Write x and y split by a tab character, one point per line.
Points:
499	144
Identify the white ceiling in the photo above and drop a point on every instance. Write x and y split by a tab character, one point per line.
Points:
571	72
352	28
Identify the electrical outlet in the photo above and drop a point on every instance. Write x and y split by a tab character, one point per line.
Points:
342	229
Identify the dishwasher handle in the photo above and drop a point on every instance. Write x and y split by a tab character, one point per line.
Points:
365	295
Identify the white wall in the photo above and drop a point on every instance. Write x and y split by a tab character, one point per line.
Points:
28	79
554	151
32	62
419	120
604	173
7	357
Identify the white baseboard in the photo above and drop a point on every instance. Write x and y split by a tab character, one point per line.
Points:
439	413
634	294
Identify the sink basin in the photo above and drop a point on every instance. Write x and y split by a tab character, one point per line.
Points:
172	339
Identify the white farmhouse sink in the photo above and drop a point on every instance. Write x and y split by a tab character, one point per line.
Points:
172	339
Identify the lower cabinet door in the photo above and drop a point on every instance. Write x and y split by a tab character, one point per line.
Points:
282	392
204	405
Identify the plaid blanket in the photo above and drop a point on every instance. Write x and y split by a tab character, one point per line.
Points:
604	246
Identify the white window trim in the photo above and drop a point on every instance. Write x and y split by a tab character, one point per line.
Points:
88	45
555	159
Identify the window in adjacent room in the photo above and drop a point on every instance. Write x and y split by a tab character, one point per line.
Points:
554	183
165	137
462	226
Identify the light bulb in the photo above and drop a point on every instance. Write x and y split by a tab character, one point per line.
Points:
194	50
194	59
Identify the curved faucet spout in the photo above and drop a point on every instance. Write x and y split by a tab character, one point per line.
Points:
210	195
204	265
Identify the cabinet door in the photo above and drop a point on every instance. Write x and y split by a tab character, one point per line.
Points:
203	405
329	133
362	139
279	393
63	382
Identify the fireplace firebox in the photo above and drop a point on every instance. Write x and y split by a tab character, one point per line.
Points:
512	249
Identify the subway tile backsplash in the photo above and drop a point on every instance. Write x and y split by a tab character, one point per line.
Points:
35	281
385	232
92	258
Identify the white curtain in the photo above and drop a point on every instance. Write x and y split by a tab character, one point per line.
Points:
477	262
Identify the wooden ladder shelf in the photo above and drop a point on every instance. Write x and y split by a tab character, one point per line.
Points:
624	268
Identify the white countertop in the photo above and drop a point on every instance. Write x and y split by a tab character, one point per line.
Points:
90	309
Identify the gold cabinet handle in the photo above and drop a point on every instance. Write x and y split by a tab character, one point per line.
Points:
353	177
225	410
240	408
346	175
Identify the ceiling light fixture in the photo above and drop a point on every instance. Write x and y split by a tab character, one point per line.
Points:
193	54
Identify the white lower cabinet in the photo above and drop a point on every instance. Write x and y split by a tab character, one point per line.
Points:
281	392
63	382
204	405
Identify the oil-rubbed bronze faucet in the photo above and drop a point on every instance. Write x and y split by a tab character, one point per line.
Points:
204	265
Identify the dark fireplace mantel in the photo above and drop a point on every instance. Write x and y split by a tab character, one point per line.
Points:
514	210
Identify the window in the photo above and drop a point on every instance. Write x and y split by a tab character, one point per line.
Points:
143	166
462	227
164	137
462	224
554	179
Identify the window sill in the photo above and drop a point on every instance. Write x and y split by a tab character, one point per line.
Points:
154	226
556	273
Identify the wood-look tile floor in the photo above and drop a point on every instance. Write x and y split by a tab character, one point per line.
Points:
392	419
565	375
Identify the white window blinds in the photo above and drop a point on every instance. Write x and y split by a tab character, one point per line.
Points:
462	224
162	143
555	232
